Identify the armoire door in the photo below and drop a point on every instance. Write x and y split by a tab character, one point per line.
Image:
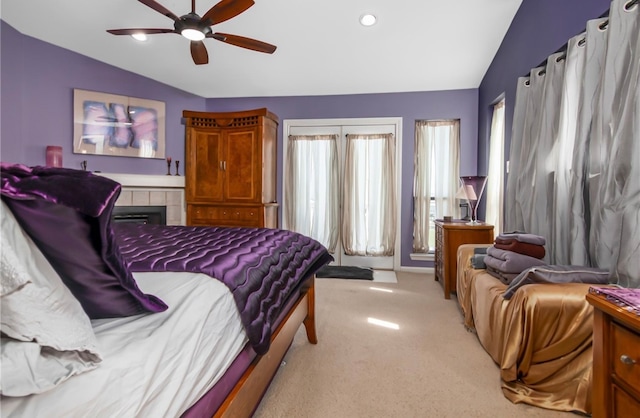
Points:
242	166
204	166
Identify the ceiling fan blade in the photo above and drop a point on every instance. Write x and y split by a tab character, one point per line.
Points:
159	8
199	53
225	10
141	30
243	42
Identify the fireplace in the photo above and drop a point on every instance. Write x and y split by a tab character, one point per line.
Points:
156	215
139	191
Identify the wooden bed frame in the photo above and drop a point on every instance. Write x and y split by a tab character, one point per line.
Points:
248	392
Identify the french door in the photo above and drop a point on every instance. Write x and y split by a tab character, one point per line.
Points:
341	187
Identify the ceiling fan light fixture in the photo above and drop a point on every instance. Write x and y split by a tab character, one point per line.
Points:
368	19
192	34
139	37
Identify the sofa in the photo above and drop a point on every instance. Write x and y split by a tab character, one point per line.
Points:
541	338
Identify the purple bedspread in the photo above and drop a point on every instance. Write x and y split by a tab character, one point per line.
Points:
261	267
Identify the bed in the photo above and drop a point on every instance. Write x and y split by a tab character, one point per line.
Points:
541	338
155	321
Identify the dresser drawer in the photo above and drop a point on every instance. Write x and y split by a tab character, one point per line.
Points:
225	215
624	405
204	213
242	214
625	351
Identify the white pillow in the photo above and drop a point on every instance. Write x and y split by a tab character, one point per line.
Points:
47	335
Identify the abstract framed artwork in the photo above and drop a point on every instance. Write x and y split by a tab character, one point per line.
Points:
121	126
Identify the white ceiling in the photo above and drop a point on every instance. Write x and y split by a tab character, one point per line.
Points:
417	45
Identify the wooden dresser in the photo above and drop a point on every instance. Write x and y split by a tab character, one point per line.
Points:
230	173
449	236
616	360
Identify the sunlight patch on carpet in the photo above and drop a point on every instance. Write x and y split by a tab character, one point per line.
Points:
384	276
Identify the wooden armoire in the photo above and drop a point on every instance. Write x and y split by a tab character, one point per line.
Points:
230	168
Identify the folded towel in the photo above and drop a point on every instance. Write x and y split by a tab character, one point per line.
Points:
509	261
477	261
505	278
558	274
523	237
480	250
532	250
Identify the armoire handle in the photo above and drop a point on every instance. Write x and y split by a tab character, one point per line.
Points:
625	359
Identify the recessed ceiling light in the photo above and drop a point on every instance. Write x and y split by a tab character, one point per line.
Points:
139	36
367	19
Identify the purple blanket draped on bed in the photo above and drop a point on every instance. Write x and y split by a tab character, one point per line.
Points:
261	267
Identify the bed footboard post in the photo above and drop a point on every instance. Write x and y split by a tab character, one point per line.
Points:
310	320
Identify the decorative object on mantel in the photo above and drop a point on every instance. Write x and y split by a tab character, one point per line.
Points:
83	165
119	126
53	156
168	166
177	167
473	188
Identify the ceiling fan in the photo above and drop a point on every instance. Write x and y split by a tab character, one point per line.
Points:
196	28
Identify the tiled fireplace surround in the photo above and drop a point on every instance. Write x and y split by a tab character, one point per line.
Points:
151	190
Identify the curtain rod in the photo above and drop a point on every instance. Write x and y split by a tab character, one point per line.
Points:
564	47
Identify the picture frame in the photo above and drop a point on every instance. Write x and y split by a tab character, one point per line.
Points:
119	126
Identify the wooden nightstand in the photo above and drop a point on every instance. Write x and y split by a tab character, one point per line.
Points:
449	236
616	360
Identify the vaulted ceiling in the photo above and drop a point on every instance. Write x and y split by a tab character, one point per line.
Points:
416	45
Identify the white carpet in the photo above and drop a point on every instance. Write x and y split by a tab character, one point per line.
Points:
384	276
427	366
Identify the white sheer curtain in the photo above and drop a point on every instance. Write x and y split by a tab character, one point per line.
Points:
311	187
579	156
495	174
436	174
368	214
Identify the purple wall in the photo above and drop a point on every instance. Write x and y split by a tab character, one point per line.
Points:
37	100
37	104
38	80
540	28
458	104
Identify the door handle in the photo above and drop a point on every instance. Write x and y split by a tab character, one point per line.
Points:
224	165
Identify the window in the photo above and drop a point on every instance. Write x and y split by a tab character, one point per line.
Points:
436	178
495	175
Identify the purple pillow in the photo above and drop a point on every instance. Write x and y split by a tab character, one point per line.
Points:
83	251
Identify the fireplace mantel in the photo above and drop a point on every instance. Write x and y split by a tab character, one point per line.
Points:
146	180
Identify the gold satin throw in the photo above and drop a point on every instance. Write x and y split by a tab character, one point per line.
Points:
541	338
